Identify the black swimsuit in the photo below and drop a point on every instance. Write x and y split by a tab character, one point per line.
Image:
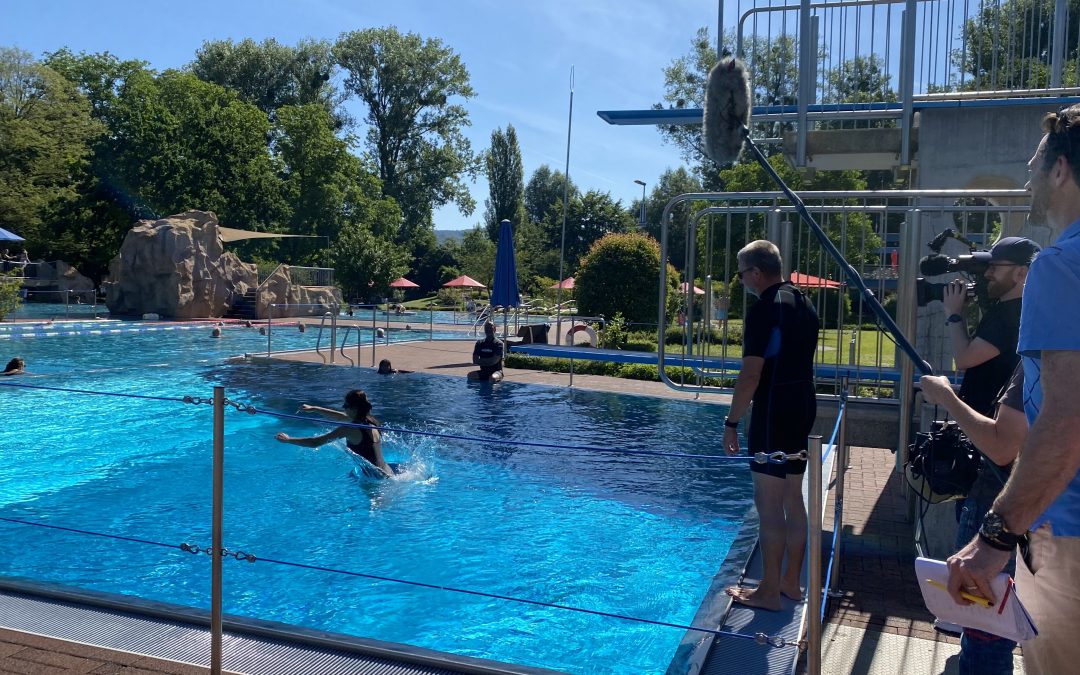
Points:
366	450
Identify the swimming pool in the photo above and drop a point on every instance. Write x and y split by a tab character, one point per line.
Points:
630	535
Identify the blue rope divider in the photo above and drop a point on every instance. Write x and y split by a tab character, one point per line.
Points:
761	458
171	399
88	532
760	638
531	444
835	431
509	598
828	575
840	505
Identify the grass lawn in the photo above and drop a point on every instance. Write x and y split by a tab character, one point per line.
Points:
871	346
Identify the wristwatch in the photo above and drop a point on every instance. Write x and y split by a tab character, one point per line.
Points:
731	424
954	318
995	534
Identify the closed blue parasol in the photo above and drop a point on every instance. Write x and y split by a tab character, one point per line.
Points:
504	290
9	236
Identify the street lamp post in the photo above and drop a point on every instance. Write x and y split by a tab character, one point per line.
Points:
642	184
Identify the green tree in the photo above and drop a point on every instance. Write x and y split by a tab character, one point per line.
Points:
1010	45
190	144
619	274
98	76
477	256
46	137
672	183
589	218
270	75
545	188
861	80
365	264
774	63
10	287
409	85
325	185
506	181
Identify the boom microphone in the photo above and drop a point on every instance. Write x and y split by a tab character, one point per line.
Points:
727	111
726	127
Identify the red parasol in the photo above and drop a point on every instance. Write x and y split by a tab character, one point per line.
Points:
566	284
402	282
810	281
463	281
697	291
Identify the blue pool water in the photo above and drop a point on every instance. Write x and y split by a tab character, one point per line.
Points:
630	535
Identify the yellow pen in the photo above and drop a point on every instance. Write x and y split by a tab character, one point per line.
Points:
963	594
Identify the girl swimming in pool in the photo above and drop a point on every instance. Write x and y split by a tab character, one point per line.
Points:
366	443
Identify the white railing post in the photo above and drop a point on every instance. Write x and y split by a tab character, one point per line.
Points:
216	545
813	559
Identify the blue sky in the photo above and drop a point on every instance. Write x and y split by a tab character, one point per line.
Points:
519	56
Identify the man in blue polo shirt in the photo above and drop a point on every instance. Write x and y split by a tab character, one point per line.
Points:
1042	496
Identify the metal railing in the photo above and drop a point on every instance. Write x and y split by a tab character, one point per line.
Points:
881	233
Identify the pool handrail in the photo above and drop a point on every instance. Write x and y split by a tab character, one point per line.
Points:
345	339
333	335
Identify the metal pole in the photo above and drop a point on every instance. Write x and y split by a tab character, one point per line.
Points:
906	315
431	322
565	201
806	56
813	568
216	546
841	472
333	331
907	83
373	329
719	29
269	325
1057	56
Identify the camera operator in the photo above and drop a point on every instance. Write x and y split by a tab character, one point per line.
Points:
998	440
988	357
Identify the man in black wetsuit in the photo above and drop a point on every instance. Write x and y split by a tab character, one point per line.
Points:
779	338
488	355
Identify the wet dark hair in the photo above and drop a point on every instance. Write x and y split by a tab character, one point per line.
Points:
15	364
1063	139
358	400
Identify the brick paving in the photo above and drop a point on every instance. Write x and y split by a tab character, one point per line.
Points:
878	589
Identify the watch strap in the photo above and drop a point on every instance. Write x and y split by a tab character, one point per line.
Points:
1000	542
731	424
954	318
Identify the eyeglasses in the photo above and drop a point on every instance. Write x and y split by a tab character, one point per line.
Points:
742	272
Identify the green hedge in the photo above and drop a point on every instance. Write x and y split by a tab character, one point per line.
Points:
626	371
676	336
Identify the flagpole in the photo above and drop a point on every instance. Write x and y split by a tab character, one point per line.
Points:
566	199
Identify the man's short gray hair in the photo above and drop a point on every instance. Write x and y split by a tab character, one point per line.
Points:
763	255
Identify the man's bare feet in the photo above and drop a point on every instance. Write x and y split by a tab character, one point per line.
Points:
752	597
792	592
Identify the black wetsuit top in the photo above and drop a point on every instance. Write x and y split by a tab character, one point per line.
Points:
782	328
486	350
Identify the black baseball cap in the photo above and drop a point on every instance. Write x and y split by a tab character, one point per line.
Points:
1016	250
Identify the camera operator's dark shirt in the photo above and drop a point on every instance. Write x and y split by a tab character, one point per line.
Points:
991	476
1000	326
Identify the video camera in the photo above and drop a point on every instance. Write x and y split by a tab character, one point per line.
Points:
973	265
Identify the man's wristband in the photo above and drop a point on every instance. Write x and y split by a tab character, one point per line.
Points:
1000	542
731	424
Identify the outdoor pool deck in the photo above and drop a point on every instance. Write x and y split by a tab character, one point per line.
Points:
875	624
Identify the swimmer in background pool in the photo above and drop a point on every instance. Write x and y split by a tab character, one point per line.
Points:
15	366
366	443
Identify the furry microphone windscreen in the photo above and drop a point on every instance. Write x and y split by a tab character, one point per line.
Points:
727	110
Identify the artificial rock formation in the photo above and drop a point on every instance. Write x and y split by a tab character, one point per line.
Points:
177	268
58	282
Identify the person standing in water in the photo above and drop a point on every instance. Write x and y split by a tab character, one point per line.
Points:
366	443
